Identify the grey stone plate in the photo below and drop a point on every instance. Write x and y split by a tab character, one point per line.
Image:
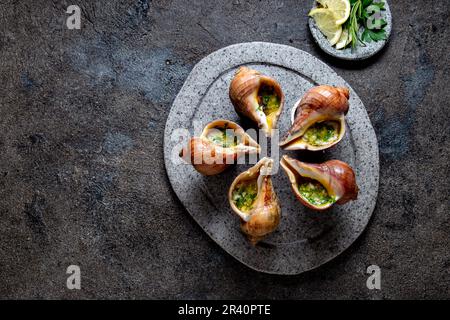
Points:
305	239
360	52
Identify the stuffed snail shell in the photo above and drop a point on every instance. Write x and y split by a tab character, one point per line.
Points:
253	199
257	97
221	143
318	119
319	186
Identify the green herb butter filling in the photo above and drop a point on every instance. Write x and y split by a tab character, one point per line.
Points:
221	137
244	195
315	193
268	100
322	133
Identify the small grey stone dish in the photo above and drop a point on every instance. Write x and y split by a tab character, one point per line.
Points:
360	52
305	239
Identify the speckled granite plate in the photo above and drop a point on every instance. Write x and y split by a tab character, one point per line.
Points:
305	239
360	52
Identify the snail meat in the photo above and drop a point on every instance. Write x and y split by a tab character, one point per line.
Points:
319	186
318	119
257	97
253	199
221	143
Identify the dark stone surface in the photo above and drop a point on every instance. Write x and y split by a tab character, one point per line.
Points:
82	179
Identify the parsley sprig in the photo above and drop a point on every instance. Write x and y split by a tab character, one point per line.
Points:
362	15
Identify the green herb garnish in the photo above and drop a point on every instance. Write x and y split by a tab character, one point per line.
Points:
222	137
268	100
244	195
362	16
320	133
315	193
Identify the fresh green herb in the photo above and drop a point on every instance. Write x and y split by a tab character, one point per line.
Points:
315	193
362	15
221	137
244	195
321	133
268	100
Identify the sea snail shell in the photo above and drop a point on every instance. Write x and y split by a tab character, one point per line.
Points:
336	178
221	143
257	97
324	107
253	199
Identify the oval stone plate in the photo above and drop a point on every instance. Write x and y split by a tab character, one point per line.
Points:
305	239
360	52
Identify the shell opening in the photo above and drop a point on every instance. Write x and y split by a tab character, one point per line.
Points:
224	137
246	191
230	136
314	192
269	102
244	194
311	190
322	133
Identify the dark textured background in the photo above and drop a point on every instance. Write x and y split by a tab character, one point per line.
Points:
82	178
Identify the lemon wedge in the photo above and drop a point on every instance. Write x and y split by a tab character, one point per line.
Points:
343	40
326	22
340	8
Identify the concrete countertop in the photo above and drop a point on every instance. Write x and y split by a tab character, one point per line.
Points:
82	177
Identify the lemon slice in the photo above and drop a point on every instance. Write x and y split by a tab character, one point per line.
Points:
343	40
341	9
349	39
326	22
